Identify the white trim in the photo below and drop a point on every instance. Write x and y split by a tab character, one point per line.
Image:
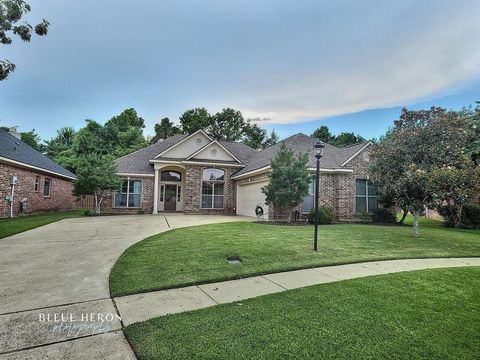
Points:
356	154
165	161
7	160
250	173
211	163
253	182
130	174
210	144
338	171
183	140
155	192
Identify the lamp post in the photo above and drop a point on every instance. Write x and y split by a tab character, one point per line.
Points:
318	147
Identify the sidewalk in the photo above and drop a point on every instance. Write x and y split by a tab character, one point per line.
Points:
141	307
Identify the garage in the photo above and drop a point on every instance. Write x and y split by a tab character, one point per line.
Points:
249	196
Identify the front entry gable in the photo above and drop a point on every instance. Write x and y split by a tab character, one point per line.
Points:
214	151
186	147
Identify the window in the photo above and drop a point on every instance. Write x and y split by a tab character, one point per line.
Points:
213	183
47	185
37	183
308	201
170	176
367	196
130	194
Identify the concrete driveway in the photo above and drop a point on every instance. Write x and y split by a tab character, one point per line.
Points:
62	269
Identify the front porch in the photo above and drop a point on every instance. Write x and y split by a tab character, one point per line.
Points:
169	188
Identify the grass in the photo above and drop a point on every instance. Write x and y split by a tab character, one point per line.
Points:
196	255
23	223
428	314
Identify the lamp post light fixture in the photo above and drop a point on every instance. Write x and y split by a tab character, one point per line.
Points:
318	147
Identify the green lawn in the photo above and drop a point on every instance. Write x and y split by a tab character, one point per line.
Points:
198	254
428	314
23	223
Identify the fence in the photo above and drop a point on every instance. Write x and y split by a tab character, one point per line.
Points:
86	202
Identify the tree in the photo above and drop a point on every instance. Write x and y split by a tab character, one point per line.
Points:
254	136
271	140
346	139
421	162
322	134
473	118
164	129
228	125
96	175
195	119
11	12
33	139
123	133
289	181
61	142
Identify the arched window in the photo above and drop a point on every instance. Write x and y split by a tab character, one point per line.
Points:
213	183
170	175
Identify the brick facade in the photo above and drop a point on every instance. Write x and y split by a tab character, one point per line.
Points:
146	204
61	197
193	191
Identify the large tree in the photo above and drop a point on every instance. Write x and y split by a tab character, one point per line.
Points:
11	12
344	139
96	175
420	162
33	139
195	119
289	180
164	129
258	138
228	124
322	134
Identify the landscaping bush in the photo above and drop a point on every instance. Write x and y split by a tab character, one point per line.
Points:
325	216
470	216
364	217
384	215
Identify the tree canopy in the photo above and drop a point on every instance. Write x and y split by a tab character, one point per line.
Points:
344	139
422	161
11	12
164	129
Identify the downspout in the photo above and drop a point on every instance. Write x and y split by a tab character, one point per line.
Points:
11	201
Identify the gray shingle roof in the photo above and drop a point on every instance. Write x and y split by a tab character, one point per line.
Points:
333	157
16	150
138	161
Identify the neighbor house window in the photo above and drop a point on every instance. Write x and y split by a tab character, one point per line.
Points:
130	194
367	196
213	184
37	183
308	201
47	186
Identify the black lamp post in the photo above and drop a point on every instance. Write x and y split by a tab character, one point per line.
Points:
318	147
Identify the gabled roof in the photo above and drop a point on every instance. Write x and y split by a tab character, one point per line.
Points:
139	163
15	151
333	157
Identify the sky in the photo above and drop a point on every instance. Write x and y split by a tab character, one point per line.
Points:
292	65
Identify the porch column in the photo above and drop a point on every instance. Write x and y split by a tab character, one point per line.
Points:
155	193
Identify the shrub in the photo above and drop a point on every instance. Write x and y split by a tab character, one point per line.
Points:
470	216
384	215
88	213
364	216
325	216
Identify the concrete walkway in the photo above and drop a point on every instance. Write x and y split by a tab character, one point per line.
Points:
63	268
141	307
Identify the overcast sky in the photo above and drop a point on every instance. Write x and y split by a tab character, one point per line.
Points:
349	64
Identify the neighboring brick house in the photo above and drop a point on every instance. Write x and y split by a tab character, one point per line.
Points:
196	174
40	183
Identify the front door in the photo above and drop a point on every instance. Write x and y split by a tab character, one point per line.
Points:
170	197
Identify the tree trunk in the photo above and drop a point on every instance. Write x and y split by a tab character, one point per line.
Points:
404	216
416	230
97	204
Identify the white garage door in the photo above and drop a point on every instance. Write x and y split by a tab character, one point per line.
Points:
249	196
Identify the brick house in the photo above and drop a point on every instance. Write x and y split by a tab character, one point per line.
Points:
196	174
39	182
